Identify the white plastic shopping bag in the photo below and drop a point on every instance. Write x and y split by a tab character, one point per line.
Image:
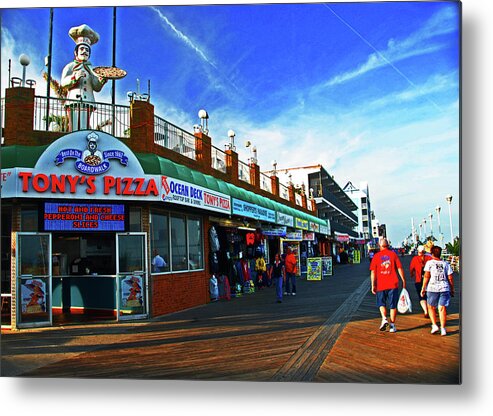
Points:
404	305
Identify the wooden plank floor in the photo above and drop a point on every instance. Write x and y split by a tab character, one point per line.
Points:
327	333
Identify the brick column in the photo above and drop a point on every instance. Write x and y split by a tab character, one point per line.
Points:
141	127
19	116
275	185
232	166
303	201
203	151
255	175
292	197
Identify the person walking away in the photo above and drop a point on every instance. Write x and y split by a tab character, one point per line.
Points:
290	264
438	284
385	283
278	274
416	269
260	268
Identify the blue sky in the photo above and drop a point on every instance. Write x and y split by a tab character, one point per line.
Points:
368	90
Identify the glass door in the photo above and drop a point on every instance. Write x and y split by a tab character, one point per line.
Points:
33	278
131	270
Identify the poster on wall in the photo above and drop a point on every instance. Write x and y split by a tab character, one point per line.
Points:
33	293
314	268
356	256
132	299
327	266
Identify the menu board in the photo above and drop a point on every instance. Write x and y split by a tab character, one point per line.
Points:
58	216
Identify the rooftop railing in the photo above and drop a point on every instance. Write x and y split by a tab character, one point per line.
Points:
265	183
112	119
298	199
2	110
243	171
172	137
115	120
284	191
218	159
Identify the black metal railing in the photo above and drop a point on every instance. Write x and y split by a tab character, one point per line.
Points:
172	137
112	119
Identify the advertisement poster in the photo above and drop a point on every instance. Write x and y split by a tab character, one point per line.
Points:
356	256
314	268
132	298
327	266
33	294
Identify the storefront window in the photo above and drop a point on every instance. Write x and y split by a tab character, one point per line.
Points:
178	240
160	243
179	258
29	219
195	258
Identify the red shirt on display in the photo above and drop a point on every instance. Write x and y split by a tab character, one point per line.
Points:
417	264
384	265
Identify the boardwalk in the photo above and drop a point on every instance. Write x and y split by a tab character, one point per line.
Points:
328	333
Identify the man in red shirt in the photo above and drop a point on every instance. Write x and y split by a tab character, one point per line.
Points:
290	264
417	273
385	283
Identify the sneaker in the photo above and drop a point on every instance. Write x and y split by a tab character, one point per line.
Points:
392	328
293	294
434	329
285	293
384	324
443	332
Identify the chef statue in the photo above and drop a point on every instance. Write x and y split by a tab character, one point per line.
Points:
80	79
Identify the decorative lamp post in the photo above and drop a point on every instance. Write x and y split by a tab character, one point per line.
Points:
448	198
204	121
430	215
438	209
420	228
424	226
231	135
24	61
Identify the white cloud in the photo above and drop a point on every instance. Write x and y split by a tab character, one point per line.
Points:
184	38
418	43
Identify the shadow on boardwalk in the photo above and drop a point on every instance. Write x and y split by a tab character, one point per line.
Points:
327	333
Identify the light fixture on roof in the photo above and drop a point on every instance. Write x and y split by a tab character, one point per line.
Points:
231	135
137	96
204	121
311	193
253	158
274	165
24	60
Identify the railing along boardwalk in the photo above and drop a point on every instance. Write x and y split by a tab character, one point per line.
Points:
327	333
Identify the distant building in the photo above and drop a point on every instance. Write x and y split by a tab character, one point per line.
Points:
333	203
361	197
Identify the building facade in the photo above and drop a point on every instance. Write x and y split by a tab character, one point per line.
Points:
130	220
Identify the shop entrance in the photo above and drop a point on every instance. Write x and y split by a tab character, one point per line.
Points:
132	293
67	278
33	280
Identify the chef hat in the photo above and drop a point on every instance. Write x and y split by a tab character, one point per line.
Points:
83	34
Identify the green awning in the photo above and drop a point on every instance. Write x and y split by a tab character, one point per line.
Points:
18	156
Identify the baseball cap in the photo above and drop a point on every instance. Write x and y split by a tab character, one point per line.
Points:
421	248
